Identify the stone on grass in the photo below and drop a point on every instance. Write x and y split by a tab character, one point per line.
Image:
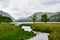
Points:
27	28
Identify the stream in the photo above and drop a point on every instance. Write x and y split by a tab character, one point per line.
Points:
39	35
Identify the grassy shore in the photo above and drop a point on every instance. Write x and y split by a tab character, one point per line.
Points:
52	28
12	32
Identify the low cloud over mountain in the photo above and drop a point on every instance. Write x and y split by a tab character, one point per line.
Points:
6	14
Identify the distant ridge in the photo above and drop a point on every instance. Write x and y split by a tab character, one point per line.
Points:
55	18
38	14
6	14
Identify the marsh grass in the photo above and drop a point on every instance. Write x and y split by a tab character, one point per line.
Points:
52	28
12	32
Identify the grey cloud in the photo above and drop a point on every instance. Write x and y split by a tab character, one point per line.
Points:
28	7
51	3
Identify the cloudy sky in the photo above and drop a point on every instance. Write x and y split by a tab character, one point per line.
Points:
25	8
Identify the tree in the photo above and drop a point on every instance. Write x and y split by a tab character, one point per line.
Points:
5	19
44	18
0	18
34	18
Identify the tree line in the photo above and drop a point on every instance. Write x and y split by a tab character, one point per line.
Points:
44	18
5	19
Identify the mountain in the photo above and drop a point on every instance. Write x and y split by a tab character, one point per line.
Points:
6	14
55	18
38	14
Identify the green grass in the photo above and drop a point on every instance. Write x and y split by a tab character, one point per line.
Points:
12	32
52	28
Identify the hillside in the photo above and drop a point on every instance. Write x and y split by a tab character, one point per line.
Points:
6	14
38	14
55	18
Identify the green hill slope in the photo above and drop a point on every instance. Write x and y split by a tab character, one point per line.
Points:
38	14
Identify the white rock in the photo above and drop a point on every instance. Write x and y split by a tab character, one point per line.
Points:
27	28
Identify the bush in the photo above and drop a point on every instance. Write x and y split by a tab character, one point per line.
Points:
44	29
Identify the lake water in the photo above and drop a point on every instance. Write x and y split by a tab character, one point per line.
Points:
30	22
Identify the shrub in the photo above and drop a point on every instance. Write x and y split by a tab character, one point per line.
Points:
44	29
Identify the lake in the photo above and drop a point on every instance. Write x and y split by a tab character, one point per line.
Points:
30	22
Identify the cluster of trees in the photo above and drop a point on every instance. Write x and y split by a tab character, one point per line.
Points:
5	19
44	18
34	18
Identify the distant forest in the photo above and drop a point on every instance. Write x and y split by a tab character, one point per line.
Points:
4	19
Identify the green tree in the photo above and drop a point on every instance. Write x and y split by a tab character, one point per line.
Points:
0	18
44	18
5	19
34	17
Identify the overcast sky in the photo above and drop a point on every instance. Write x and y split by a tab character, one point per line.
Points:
24	8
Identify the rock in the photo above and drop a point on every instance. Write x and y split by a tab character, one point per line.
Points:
27	28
